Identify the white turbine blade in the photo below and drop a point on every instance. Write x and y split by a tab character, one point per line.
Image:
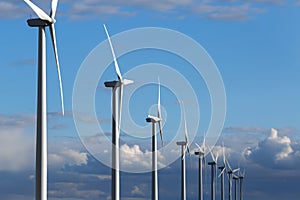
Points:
120	105
39	12
53	8
53	38
211	154
127	82
159	114
224	156
113	53
222	172
235	176
230	169
197	145
160	132
186	132
235	170
183	156
203	145
216	161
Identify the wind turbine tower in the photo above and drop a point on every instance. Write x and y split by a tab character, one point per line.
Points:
235	178
230	177
200	153
154	120
223	171
241	177
184	148
213	170
41	23
117	86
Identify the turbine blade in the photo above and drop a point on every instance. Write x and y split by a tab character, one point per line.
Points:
120	105
158	102
203	143
230	169
39	12
211	154
222	172
216	161
53	8
224	155
235	170
159	114
160	132
186	132
113	53
127	82
197	145
53	38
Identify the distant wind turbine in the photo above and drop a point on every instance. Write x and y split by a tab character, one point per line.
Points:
116	121
213	172
230	173
184	148
201	154
223	171
155	120
235	178
241	177
43	21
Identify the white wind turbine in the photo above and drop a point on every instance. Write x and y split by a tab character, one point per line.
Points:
230	173
241	177
201	154
116	121
42	22
155	120
184	148
213	172
235	178
223	171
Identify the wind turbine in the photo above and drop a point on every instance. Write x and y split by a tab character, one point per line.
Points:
235	178
201	154
42	22
241	177
213	170
155	120
223	171
116	121
230	173
184	148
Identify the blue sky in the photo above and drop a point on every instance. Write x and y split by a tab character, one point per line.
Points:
255	45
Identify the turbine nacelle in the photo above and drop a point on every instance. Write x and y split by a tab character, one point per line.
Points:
37	22
181	143
153	119
117	83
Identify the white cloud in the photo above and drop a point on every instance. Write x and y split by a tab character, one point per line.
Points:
66	156
16	145
134	158
137	190
71	189
16	149
275	152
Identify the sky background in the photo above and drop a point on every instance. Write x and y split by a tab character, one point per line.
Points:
255	45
